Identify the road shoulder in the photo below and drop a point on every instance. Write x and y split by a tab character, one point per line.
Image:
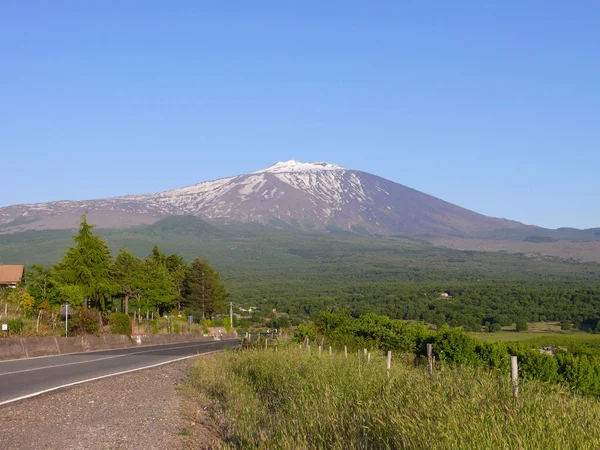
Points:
137	410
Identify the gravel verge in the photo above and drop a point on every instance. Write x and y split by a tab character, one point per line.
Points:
138	410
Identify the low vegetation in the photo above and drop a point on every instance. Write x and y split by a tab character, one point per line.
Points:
293	399
577	367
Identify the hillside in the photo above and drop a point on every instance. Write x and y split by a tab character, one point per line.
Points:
305	196
257	262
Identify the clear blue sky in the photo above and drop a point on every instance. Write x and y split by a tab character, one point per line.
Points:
494	106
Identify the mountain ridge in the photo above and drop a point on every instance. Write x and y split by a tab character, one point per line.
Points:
314	196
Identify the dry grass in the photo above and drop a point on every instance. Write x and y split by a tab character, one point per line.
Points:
260	399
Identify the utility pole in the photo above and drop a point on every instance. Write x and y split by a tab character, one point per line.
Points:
231	315
66	320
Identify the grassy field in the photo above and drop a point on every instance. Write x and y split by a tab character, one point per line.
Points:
290	399
514	336
544	334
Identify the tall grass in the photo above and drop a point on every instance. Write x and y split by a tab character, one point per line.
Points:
292	400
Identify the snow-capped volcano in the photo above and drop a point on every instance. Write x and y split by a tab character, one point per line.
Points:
297	166
308	196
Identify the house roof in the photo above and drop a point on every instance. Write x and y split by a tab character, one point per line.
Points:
10	274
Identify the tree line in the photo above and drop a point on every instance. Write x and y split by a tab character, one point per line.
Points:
471	305
89	277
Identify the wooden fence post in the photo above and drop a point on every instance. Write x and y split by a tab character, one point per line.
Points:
389	362
369	357
430	359
514	375
320	349
346	351
365	350
330	350
266	343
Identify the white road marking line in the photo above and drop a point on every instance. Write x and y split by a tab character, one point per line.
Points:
103	376
100	359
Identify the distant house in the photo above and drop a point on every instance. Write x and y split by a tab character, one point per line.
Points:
444	294
11	275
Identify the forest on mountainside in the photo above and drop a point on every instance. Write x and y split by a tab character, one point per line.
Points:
304	273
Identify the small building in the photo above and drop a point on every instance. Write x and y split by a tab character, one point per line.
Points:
444	294
11	275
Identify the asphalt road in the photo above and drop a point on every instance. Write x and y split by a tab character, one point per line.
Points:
22	378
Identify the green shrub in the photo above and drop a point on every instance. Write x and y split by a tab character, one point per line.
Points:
119	323
226	324
304	331
14	325
453	346
492	355
493	327
565	325
521	325
154	326
580	372
84	321
533	364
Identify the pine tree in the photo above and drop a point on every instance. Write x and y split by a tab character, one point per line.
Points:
177	268
203	289
159	290
88	265
130	275
157	256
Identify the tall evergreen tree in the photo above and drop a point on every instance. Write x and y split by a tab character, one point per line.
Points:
203	289
159	291
177	268
88	265
157	256
131	276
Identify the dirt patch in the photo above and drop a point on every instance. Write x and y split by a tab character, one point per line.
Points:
199	431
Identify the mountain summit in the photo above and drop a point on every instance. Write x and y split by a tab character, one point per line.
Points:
308	196
297	166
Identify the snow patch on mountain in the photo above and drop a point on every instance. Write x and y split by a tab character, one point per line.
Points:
251	185
312	196
296	166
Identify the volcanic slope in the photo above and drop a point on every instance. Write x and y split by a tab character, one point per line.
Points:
314	196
